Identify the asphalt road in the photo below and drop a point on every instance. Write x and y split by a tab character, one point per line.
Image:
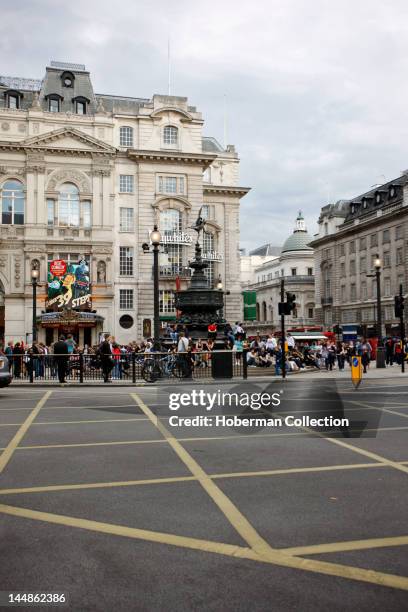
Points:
108	497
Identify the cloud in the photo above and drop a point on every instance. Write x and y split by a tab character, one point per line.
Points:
316	93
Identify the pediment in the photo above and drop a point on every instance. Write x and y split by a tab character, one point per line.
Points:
69	139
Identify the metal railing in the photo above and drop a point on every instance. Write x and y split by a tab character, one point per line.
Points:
128	367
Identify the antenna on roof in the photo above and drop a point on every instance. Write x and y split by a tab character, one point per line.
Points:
169	67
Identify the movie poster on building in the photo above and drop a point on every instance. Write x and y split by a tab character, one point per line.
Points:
68	285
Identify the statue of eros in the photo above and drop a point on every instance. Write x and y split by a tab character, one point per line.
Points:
199	224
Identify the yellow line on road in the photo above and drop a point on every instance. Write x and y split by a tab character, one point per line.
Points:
153	481
12	445
85	444
231	512
274	557
347	546
378	408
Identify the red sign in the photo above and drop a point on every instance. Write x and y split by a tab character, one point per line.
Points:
58	267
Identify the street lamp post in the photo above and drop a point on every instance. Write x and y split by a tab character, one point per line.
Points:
35	273
155	239
380	345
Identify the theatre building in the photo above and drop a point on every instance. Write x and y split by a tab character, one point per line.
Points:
83	179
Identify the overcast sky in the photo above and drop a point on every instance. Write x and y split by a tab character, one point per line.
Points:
317	91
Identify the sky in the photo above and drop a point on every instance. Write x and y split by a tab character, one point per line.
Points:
316	91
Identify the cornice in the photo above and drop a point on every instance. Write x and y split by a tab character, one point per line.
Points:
201	159
230	189
359	227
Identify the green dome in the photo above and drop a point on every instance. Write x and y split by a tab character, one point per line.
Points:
299	240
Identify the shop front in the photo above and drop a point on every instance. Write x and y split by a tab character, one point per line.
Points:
85	327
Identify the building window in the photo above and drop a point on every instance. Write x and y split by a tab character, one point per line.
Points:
166	301
86	214
353	294
126	299
12	101
363	243
126	136
387	259
400	256
126	261
374	240
80	108
208	247
363	264
171	184
12	203
364	290
386	235
352	247
310	271
342	269
399	231
352	266
126	183
400	282
343	294
293	271
170	221
310	313
126	321
50	212
68	205
54	104
342	250
387	286
170	135
126	219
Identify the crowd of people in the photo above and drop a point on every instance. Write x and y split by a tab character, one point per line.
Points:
114	359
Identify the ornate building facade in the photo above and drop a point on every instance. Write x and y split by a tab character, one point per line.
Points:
84	177
351	234
295	265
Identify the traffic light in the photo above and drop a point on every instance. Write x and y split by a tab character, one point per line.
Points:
399	305
286	308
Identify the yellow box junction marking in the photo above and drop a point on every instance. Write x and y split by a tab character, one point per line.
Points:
14	442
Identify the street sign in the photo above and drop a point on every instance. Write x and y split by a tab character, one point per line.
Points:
356	371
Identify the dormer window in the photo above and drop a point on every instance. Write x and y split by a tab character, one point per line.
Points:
67	79
393	191
81	105
378	198
352	209
54	103
170	135
12	98
365	203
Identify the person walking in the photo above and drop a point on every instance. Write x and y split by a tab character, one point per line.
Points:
18	353
105	352
61	358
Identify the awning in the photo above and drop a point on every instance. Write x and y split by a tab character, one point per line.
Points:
69	318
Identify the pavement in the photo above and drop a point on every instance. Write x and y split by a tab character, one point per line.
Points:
108	497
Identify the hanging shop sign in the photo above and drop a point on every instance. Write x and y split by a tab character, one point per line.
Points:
68	285
212	256
176	238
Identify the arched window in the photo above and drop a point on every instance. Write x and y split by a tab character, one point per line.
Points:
170	226
126	136
80	104
264	313
12	203
170	135
68	205
258	317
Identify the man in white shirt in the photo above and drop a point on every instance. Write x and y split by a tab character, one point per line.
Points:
291	341
182	346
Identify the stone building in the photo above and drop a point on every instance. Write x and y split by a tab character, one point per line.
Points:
84	177
351	234
295	265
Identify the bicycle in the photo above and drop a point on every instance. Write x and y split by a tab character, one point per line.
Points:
166	366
